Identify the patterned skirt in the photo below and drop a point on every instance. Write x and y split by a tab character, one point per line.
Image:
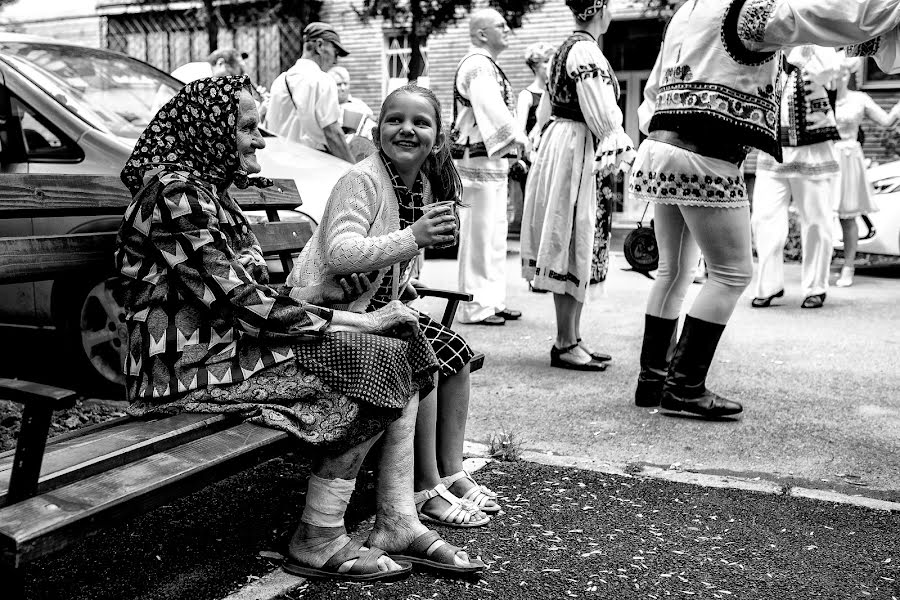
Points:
667	174
451	350
335	393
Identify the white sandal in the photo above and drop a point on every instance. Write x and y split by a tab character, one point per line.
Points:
480	495
470	517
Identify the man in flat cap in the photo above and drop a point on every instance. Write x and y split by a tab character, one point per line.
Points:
304	103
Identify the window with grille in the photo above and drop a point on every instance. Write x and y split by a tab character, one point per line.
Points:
397	55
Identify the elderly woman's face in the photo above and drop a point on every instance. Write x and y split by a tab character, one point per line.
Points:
249	139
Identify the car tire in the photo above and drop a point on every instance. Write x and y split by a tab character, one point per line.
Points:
90	319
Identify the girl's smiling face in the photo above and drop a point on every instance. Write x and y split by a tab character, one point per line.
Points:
408	130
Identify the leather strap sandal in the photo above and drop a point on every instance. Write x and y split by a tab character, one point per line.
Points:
430	552
767	301
479	495
556	360
814	301
598	356
364	569
457	515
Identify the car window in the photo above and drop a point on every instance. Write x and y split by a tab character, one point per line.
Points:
108	90
40	139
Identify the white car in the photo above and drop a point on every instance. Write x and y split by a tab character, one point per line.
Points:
74	110
879	232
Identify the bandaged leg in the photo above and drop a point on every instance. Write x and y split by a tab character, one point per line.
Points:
321	532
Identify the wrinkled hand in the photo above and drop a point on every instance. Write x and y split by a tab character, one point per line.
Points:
436	226
395	320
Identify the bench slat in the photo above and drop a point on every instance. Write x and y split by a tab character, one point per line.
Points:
50	521
47	195
38	258
283	236
80	457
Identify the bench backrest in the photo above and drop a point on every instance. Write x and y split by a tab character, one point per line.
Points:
39	257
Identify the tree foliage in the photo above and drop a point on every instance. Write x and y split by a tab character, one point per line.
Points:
420	19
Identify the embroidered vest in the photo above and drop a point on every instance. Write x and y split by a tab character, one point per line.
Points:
561	86
477	149
807	114
711	83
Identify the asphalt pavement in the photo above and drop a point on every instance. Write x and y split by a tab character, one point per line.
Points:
820	388
564	533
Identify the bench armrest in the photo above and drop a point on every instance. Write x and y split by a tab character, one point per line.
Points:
453	299
40	401
36	394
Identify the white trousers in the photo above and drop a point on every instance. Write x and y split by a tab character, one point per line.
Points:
482	236
813	200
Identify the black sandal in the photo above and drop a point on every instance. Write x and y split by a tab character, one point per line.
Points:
557	361
598	356
767	301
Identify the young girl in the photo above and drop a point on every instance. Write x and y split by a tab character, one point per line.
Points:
378	216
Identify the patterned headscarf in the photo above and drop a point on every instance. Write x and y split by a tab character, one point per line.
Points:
584	10
195	132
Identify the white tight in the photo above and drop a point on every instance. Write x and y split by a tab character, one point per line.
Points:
723	235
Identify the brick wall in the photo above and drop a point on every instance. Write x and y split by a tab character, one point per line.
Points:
552	23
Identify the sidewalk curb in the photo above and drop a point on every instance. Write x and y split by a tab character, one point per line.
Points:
278	583
701	479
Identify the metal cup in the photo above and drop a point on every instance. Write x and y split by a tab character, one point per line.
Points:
452	205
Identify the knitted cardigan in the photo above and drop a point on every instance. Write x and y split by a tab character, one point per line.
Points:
359	233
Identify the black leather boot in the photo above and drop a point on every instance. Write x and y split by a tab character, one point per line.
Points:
685	387
659	338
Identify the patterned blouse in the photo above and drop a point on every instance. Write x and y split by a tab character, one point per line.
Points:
199	310
411	203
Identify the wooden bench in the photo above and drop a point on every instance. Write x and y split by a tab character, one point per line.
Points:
58	491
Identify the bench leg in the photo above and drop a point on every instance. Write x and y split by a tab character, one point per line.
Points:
23	481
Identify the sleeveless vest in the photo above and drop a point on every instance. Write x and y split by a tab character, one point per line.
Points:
476	149
561	86
808	112
711	83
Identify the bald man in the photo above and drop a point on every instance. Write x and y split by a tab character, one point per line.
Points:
485	135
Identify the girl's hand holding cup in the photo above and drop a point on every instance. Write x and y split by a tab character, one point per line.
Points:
438	227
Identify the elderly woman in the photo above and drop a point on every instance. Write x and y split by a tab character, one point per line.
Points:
584	141
207	333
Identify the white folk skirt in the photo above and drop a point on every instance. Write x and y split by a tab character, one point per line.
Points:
855	189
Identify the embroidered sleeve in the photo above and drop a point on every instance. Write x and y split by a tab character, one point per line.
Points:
598	97
493	117
789	23
350	213
884	49
186	230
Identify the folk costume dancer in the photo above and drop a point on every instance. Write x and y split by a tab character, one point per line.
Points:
807	176
717	73
855	190
484	136
585	141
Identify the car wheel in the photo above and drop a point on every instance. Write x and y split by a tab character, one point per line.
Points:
91	319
